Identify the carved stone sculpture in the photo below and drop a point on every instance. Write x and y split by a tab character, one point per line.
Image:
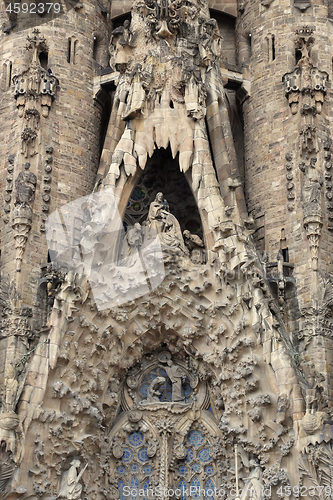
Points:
70	486
166	226
195	244
11	386
153	389
177	376
254	487
22	218
25	187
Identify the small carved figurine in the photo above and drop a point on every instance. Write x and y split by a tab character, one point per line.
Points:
11	386
254	488
70	487
177	376
195	245
25	187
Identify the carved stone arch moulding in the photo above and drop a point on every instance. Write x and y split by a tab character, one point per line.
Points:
166	437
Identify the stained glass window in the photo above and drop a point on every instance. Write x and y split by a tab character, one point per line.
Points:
138	193
182	470
196	438
183	488
148	470
204	455
127	455
209	470
134	489
195	488
196	467
210	490
135	439
189	455
142	455
135	468
121	485
146	488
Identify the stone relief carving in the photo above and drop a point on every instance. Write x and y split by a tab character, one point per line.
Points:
158	391
47	181
305	88
302	5
165	78
254	483
306	84
35	85
311	200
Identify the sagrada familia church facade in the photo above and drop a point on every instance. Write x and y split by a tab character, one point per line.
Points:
166	299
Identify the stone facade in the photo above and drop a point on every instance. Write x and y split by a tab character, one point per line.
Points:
166	224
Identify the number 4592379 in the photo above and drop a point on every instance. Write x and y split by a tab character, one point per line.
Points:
303	491
33	8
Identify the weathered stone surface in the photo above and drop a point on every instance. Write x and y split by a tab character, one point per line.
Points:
165	296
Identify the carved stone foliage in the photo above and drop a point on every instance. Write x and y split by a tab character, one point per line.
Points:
7	468
328	182
318	320
14	320
159	390
315	469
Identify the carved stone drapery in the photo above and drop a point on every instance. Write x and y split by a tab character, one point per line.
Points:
22	217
